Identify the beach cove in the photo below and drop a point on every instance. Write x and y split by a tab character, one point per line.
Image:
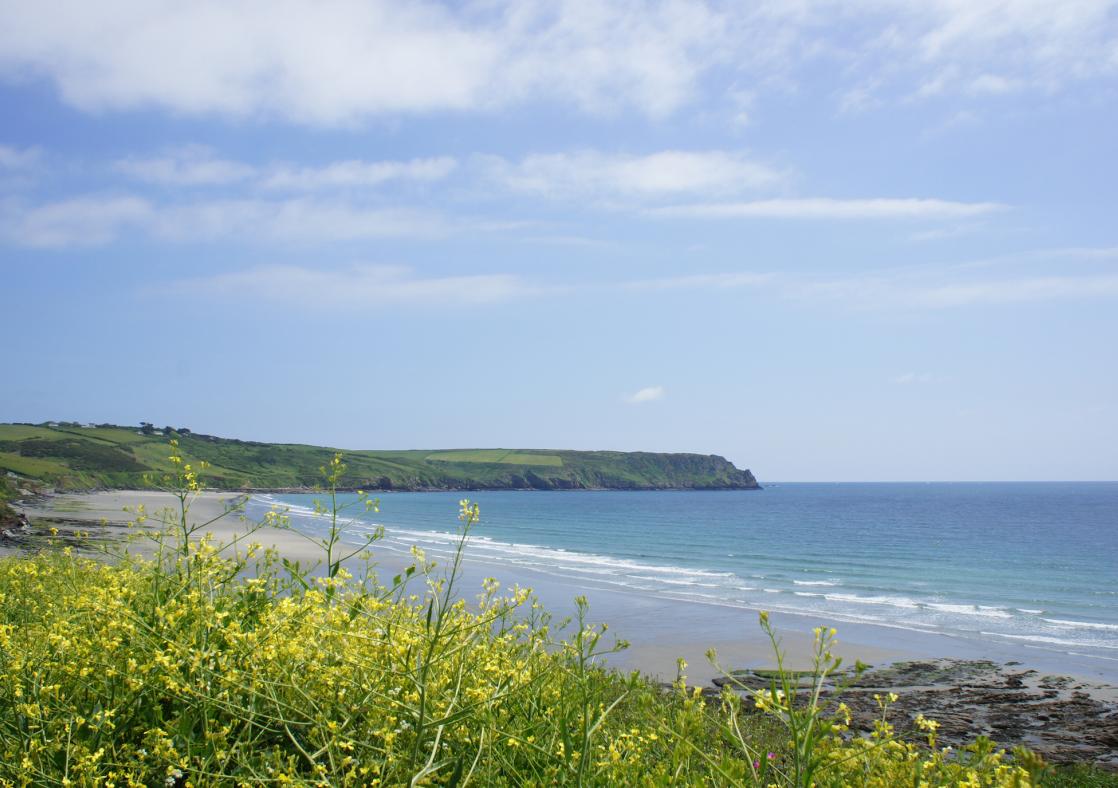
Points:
1039	684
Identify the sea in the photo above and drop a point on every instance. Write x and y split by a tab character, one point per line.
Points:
1027	564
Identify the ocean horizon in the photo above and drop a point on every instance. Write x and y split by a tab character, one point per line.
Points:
1016	566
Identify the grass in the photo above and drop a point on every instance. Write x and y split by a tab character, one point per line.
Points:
21	431
497	456
1080	776
207	664
9	491
36	467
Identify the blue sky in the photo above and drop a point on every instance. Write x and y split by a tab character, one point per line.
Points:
828	242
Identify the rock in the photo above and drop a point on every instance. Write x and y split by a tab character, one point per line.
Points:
1061	720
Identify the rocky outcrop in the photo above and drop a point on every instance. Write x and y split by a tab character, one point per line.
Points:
1064	719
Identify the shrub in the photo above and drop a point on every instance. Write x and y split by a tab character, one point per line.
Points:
79	454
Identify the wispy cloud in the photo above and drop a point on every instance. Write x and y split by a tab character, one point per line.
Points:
993	84
943	48
82	221
661	174
367	286
355	59
942	233
924	288
92	220
357	173
358	59
191	165
198	165
647	394
830	208
302	220
12	158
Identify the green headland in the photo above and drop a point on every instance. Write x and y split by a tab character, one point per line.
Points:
67	455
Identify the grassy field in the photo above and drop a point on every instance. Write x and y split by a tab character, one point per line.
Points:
32	467
69	456
506	456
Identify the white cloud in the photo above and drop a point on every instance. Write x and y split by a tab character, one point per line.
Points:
192	165
970	47
660	174
318	63
1058	34
304	220
341	61
829	208
18	158
604	56
94	220
357	173
993	84
83	221
647	394
367	286
198	165
344	61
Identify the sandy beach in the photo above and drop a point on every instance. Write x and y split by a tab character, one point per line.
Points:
107	513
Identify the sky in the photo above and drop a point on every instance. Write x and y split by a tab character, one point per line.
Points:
828	241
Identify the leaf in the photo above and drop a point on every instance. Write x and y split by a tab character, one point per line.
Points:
296	573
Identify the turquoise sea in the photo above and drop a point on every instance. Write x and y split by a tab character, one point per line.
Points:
1007	563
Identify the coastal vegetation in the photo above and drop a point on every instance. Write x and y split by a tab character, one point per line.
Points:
9	492
195	663
73	456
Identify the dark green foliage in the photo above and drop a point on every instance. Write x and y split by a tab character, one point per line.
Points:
79	454
1080	776
8	493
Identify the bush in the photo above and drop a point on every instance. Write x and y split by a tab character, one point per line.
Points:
79	454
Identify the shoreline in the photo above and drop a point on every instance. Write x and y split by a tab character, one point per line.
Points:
661	629
650	619
107	507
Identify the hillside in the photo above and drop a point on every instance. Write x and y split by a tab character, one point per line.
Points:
72	456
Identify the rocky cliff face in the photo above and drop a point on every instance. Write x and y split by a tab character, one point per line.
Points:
592	471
